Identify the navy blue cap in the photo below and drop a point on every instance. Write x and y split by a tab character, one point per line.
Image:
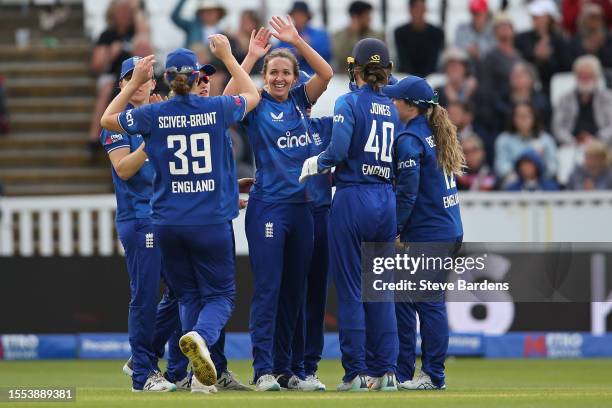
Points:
300	6
207	69
414	89
128	66
182	59
371	50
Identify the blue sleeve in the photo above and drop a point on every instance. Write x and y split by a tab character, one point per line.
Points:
342	134
113	140
323	46
137	121
234	108
300	97
408	170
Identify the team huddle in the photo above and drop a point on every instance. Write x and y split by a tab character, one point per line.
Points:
389	150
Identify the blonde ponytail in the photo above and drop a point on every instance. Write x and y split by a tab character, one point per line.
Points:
449	151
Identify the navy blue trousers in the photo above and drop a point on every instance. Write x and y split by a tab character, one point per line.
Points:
368	331
144	264
201	266
308	342
433	322
280	240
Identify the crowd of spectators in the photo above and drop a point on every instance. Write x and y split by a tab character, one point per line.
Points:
496	83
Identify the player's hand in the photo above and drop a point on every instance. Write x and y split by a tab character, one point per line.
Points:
143	71
220	46
259	45
285	30
242	203
157	98
244	185
309	168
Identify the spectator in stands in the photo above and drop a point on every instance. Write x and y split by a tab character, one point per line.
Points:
359	28
476	37
522	89
461	114
585	113
249	21
543	45
460	84
571	9
126	34
494	70
478	176
317	39
595	173
592	37
524	133
531	174
207	21
418	43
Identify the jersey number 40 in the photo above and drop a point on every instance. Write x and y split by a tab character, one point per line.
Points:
372	144
199	148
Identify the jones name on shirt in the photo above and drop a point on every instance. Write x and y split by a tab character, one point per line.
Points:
380	109
193	186
183	121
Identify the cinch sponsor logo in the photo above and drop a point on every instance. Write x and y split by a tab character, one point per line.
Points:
129	118
288	141
338	118
20	347
406	164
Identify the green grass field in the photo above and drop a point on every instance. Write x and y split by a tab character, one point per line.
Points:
471	383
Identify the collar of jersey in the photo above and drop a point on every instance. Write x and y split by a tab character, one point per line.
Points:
418	120
269	97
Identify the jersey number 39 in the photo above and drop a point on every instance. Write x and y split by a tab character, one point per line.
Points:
199	147
372	145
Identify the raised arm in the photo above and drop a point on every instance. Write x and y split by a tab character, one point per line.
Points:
259	45
286	31
220	47
180	22
142	73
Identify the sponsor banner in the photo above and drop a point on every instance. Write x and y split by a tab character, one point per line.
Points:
104	346
37	347
548	345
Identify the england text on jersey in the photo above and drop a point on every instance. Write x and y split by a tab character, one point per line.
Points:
381	171
193	186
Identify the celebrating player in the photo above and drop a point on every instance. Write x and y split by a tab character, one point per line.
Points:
195	190
279	224
132	178
428	157
363	210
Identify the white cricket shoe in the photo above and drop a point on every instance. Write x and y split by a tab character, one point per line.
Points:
295	383
184	384
229	382
357	384
198	387
128	368
267	383
385	383
157	383
316	383
421	382
194	347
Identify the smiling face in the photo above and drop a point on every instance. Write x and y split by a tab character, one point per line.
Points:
280	75
203	85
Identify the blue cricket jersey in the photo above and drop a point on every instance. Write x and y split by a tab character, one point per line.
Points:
280	141
427	199
363	133
133	195
319	187
187	144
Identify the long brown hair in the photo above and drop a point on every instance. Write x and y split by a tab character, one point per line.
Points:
448	149
180	84
373	74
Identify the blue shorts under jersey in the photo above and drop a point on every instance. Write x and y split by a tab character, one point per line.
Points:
133	195
190	150
281	142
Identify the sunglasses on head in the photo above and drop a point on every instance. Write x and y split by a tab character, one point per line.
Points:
203	78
